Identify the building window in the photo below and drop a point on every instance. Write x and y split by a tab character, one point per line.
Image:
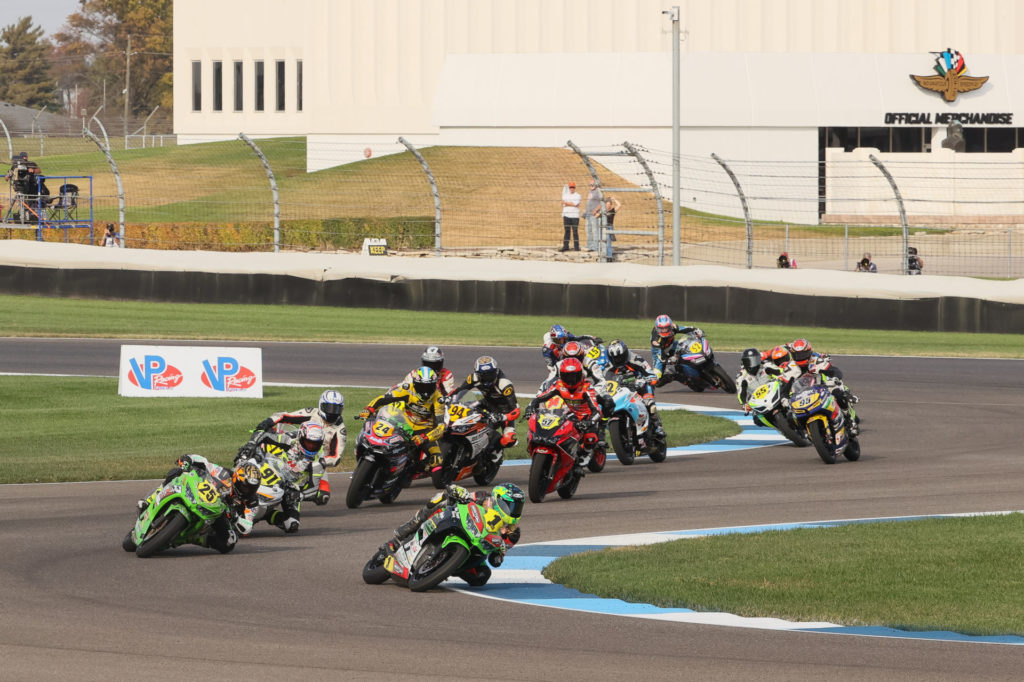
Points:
218	86
298	85
875	137
1000	140
238	86
908	140
197	86
279	100
841	137
259	86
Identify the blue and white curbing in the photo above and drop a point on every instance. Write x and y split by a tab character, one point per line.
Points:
520	579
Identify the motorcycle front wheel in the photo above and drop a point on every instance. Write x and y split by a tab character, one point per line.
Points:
816	430
168	527
539	477
622	441
435	564
598	460
361	479
374	572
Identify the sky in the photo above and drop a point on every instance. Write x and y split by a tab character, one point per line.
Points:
49	14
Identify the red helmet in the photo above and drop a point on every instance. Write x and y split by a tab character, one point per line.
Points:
573	349
570	373
801	351
663	323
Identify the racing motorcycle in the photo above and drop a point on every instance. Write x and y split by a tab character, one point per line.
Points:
454	538
470	445
181	512
275	485
766	404
553	443
817	413
387	458
265	450
694	364
631	427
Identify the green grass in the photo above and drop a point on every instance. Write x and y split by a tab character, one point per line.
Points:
962	574
91	433
38	316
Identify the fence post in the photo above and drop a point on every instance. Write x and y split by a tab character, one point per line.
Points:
601	238
657	197
433	189
7	134
117	178
899	204
746	209
273	189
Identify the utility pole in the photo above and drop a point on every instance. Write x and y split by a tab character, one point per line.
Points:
127	84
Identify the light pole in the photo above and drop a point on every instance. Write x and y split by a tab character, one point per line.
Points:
674	15
127	85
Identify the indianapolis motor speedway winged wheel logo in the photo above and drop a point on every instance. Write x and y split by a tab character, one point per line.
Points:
951	81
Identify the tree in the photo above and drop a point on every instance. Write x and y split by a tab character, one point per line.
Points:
24	65
92	49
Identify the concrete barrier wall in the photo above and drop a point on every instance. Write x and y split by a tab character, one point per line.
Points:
697	303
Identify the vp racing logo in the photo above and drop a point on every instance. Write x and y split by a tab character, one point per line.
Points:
227	375
154	374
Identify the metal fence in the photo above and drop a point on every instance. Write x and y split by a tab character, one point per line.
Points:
316	194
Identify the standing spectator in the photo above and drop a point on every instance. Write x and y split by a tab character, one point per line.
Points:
571	216
914	263
784	261
595	201
865	264
110	237
611	207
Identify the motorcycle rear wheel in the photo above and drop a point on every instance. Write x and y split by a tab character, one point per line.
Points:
622	443
441	564
361	479
852	451
485	471
447	473
169	526
658	451
722	379
539	477
374	572
817	434
569	489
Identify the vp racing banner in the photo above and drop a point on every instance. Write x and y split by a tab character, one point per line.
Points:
190	371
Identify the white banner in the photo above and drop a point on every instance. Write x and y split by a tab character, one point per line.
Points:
188	371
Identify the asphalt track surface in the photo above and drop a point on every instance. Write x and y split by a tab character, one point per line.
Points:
939	436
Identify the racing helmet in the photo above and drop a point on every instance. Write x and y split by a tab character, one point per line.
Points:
424	382
245	480
433	358
558	334
570	373
663	323
801	351
486	369
311	439
508	502
779	354
331	405
573	349
618	353
751	360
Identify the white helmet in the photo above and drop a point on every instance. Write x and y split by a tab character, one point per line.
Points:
331	405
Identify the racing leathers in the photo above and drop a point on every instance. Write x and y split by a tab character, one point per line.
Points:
478	574
223	533
586	407
335	434
664	347
300	473
426	415
498	400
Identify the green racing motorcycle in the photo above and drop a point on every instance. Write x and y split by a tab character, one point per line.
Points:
182	512
453	539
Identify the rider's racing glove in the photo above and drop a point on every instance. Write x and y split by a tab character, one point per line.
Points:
457	493
265	425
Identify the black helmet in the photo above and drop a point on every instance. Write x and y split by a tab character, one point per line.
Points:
751	360
486	369
618	353
433	358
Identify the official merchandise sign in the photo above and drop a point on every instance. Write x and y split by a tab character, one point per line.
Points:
190	371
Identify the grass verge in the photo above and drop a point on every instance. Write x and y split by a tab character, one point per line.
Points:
40	316
79	429
960	574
